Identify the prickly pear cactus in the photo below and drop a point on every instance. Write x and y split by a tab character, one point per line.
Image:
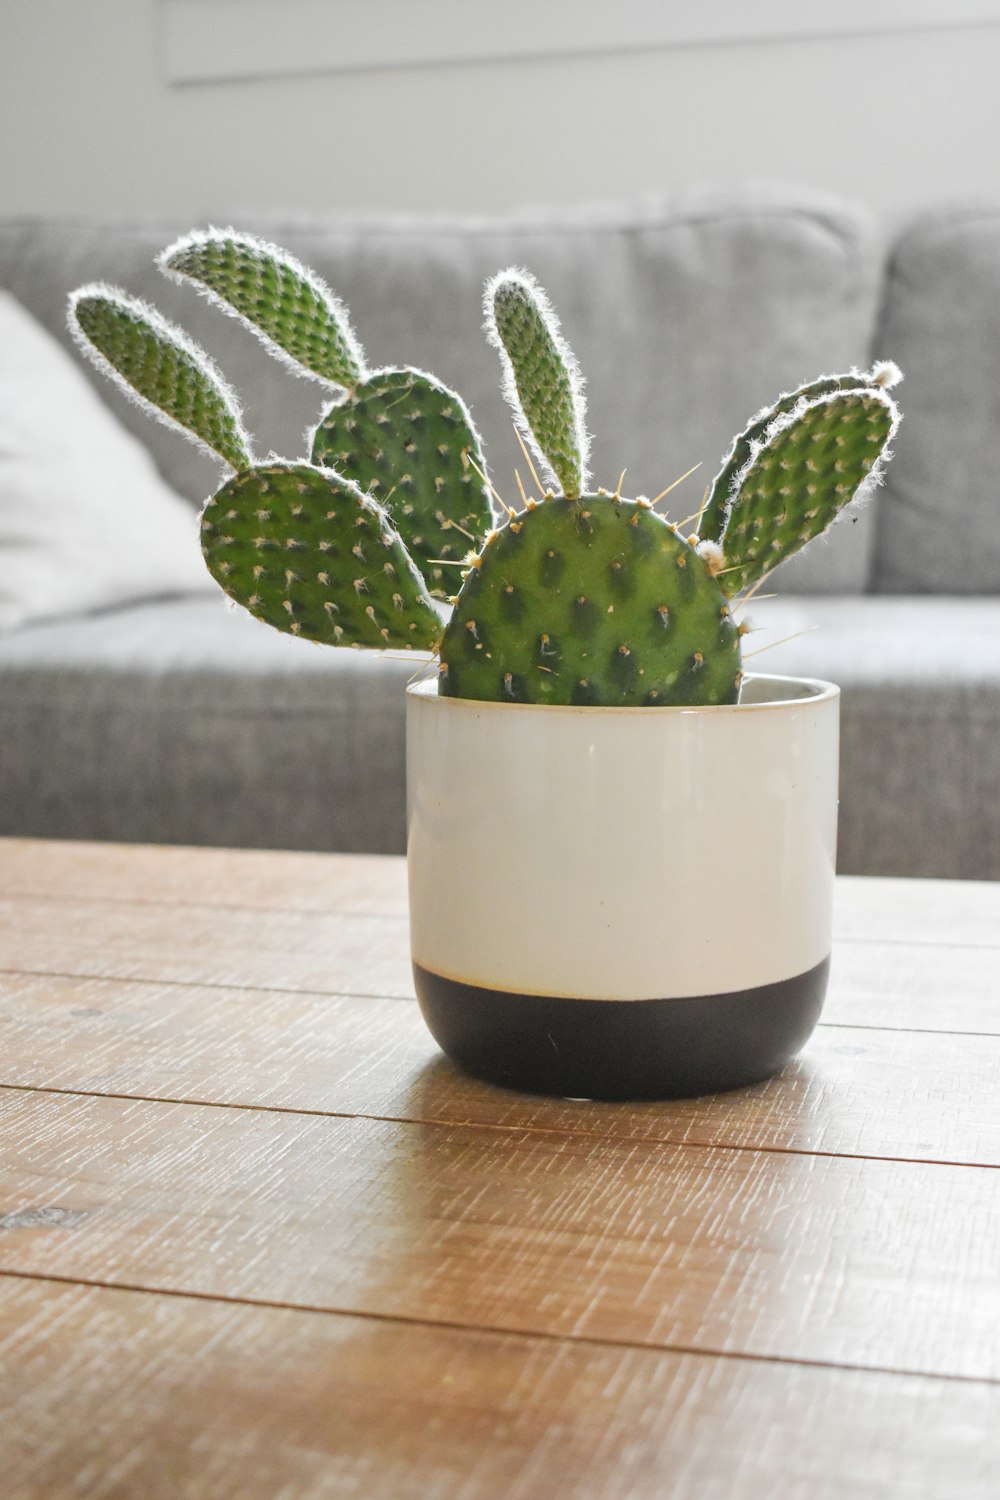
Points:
306	551
300	547
155	362
813	461
713	517
397	433
591	600
409	441
580	598
541	378
285	303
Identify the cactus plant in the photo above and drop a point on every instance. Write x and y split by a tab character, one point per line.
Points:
399	434
582	596
585	598
307	551
155	362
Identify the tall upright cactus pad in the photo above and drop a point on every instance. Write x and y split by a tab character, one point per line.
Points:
157	363
284	302
307	552
812	463
397	433
541	379
409	441
591	600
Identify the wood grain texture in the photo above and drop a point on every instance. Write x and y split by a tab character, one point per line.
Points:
259	1240
888	910
855	1091
944	987
284	949
926	986
918	911
875	1264
261	879
117	1396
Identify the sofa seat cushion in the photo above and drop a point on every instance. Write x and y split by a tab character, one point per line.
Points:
185	721
920	723
938	520
687	315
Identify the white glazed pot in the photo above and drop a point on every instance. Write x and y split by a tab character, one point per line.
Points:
623	902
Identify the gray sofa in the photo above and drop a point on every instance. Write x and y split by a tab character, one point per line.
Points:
176	719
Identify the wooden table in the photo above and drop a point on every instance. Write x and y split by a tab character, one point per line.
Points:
257	1239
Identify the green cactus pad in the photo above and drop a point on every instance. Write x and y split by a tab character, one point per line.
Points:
410	442
713	518
542	381
307	552
591	601
811	465
155	361
284	302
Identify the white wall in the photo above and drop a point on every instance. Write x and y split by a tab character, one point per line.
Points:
88	124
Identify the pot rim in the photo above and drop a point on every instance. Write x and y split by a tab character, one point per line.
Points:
813	690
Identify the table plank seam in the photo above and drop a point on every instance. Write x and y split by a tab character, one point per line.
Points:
205	984
440	1123
978	945
493	1331
156	981
271	909
894	1030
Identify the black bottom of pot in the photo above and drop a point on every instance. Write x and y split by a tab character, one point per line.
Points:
622	1049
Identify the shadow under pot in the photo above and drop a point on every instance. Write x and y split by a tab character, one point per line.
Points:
623	903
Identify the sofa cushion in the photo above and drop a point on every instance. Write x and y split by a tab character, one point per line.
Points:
687	316
185	721
920	723
938	520
86	522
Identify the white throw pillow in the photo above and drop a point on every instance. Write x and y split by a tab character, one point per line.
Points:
86	522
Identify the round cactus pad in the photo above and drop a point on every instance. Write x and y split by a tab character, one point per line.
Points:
308	553
410	443
591	600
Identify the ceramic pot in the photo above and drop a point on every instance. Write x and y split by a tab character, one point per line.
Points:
623	902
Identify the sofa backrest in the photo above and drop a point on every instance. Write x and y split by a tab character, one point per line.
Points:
687	316
938	521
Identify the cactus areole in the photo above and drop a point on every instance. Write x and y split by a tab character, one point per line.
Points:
384	535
